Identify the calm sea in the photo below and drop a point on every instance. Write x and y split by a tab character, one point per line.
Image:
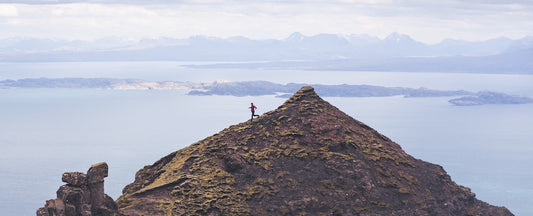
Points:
45	132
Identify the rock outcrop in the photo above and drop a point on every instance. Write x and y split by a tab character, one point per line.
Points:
304	158
83	195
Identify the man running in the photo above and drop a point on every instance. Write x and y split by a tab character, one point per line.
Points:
253	108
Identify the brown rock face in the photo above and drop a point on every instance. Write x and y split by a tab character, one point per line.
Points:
83	195
76	179
95	182
304	158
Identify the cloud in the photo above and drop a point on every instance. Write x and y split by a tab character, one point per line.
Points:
429	21
8	11
45	2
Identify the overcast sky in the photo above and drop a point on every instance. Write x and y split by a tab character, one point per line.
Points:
428	21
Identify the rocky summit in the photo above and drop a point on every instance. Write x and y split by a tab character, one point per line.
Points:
304	158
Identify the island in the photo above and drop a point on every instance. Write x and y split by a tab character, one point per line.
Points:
259	88
487	97
100	83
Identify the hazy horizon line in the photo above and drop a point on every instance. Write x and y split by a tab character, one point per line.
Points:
341	35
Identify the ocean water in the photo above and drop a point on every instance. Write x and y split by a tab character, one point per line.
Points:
45	132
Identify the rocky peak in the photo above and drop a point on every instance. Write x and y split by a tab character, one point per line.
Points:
305	94
295	37
305	158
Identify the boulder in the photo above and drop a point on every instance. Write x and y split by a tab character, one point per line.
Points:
97	173
74	178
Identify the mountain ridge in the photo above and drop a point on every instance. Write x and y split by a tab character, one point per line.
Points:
204	48
305	157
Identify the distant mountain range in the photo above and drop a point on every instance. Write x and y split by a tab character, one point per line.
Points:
396	52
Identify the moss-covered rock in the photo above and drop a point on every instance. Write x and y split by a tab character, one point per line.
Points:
304	158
